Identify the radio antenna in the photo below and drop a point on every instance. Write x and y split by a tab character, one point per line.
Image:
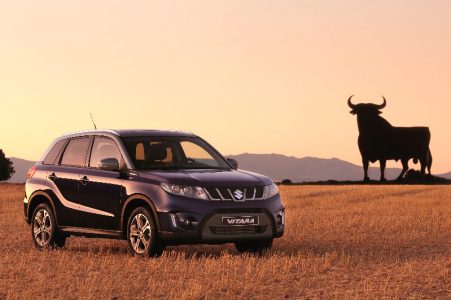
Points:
94	123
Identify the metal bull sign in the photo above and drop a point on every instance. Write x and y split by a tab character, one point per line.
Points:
380	141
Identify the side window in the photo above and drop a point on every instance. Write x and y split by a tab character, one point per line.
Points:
104	148
75	153
53	153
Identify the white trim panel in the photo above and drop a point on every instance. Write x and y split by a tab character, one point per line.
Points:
79	207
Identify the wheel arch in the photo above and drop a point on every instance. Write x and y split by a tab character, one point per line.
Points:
37	198
134	201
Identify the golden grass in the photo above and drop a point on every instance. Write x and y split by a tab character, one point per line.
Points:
341	242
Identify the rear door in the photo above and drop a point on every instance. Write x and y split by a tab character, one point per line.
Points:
66	177
101	189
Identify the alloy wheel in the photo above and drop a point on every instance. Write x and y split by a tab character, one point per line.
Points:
42	227
140	233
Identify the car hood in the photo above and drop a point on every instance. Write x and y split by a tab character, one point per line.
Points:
207	177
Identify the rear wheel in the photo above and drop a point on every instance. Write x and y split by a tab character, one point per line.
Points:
43	229
60	240
141	234
259	247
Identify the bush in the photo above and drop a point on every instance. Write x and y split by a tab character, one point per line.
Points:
414	177
6	167
286	182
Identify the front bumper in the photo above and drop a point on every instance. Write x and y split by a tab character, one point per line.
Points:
25	210
182	226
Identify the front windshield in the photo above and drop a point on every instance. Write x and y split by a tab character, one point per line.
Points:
172	153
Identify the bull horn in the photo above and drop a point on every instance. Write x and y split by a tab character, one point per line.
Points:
383	104
350	103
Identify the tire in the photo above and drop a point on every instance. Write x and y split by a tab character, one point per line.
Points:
142	234
59	241
259	247
43	229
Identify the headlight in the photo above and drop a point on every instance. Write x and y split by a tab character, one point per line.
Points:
271	191
183	190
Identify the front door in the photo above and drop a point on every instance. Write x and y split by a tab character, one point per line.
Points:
100	189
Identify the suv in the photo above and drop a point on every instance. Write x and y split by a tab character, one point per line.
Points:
152	188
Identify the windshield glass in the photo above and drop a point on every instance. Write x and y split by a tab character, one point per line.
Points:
172	153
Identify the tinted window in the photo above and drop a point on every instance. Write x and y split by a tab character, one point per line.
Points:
198	156
75	154
104	148
53	153
173	153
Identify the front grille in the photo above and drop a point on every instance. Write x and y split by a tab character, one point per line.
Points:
236	230
236	194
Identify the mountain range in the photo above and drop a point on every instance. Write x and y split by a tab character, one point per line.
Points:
21	166
278	167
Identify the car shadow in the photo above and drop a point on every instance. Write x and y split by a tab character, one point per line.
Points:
369	250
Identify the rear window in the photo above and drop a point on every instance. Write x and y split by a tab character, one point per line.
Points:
75	153
53	153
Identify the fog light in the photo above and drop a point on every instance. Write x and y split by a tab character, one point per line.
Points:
188	222
280	219
174	220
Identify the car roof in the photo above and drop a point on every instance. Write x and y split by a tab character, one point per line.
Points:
131	133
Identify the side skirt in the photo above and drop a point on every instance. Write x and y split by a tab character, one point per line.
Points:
91	233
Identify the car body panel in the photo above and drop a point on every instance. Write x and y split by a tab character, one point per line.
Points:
102	190
206	178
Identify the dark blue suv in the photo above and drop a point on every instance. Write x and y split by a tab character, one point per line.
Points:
152	188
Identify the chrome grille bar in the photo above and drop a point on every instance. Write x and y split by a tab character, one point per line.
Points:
227	194
222	197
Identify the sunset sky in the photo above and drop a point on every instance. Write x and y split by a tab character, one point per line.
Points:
248	76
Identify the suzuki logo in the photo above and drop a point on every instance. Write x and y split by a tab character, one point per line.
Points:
238	194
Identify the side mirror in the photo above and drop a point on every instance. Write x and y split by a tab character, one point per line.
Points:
109	164
233	163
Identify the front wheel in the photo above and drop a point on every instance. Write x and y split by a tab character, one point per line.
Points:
43	229
259	247
141	234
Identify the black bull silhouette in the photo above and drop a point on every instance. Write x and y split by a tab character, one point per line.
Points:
380	141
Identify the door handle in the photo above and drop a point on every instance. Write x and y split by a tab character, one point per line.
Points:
84	180
52	177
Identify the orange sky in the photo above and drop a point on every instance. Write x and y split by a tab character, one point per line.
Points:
248	76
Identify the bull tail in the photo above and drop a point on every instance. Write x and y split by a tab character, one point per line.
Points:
429	161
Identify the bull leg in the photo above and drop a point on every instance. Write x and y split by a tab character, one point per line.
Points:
423	167
366	164
405	167
429	162
383	163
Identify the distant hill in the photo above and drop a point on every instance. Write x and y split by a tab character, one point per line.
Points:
21	166
279	167
446	175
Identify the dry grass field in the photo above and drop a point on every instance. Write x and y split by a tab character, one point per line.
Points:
341	242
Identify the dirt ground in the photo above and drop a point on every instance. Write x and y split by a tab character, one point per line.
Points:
340	242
